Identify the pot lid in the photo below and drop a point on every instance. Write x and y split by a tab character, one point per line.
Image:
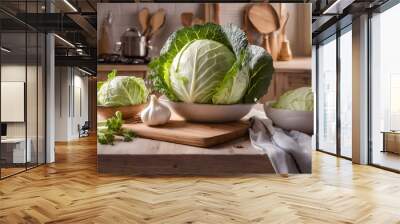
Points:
132	32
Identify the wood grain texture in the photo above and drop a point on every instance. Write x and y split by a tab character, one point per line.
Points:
71	191
184	164
264	18
194	134
149	157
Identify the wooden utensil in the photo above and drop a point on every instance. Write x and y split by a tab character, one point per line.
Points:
156	22
216	13
265	19
246	25
105	41
283	18
207	12
285	52
144	19
194	134
274	46
186	19
282	32
211	13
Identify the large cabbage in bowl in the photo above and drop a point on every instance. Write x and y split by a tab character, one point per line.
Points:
211	64
120	91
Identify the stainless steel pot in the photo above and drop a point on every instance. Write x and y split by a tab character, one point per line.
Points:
133	44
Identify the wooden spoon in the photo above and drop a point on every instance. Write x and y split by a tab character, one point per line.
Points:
216	13
265	19
283	28
283	18
186	19
285	52
246	25
144	19
156	22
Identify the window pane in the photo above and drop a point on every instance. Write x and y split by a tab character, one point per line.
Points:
15	150
346	94
385	84
41	98
31	97
327	97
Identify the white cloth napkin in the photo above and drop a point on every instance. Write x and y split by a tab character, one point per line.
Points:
288	151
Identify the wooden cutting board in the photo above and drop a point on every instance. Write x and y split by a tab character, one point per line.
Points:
194	134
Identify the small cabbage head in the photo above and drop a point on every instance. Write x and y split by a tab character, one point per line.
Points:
121	91
300	99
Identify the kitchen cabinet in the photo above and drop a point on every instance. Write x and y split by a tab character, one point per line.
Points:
289	75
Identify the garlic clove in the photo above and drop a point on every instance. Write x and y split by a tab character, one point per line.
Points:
155	113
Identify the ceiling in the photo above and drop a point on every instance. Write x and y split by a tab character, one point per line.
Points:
75	21
332	15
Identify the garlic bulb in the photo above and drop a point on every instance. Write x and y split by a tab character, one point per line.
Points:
155	113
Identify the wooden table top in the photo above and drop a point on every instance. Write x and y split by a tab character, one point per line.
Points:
144	146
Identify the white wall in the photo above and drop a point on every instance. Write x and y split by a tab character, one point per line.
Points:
61	103
34	125
67	113
12	73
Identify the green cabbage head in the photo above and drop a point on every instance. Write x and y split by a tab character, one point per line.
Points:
121	91
211	64
198	69
300	99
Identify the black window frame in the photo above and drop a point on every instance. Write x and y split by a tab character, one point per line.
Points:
341	28
31	30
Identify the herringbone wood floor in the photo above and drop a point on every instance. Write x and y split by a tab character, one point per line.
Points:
71	191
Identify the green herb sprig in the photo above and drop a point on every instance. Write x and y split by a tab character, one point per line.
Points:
113	130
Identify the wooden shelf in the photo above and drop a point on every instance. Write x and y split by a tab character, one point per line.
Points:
299	64
121	68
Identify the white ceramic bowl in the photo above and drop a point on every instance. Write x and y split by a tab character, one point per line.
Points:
302	121
208	113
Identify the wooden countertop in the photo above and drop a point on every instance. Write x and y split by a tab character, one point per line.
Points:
152	157
149	146
299	64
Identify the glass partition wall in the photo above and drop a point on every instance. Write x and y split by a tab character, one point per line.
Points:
22	77
327	96
346	95
334	94
384	113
